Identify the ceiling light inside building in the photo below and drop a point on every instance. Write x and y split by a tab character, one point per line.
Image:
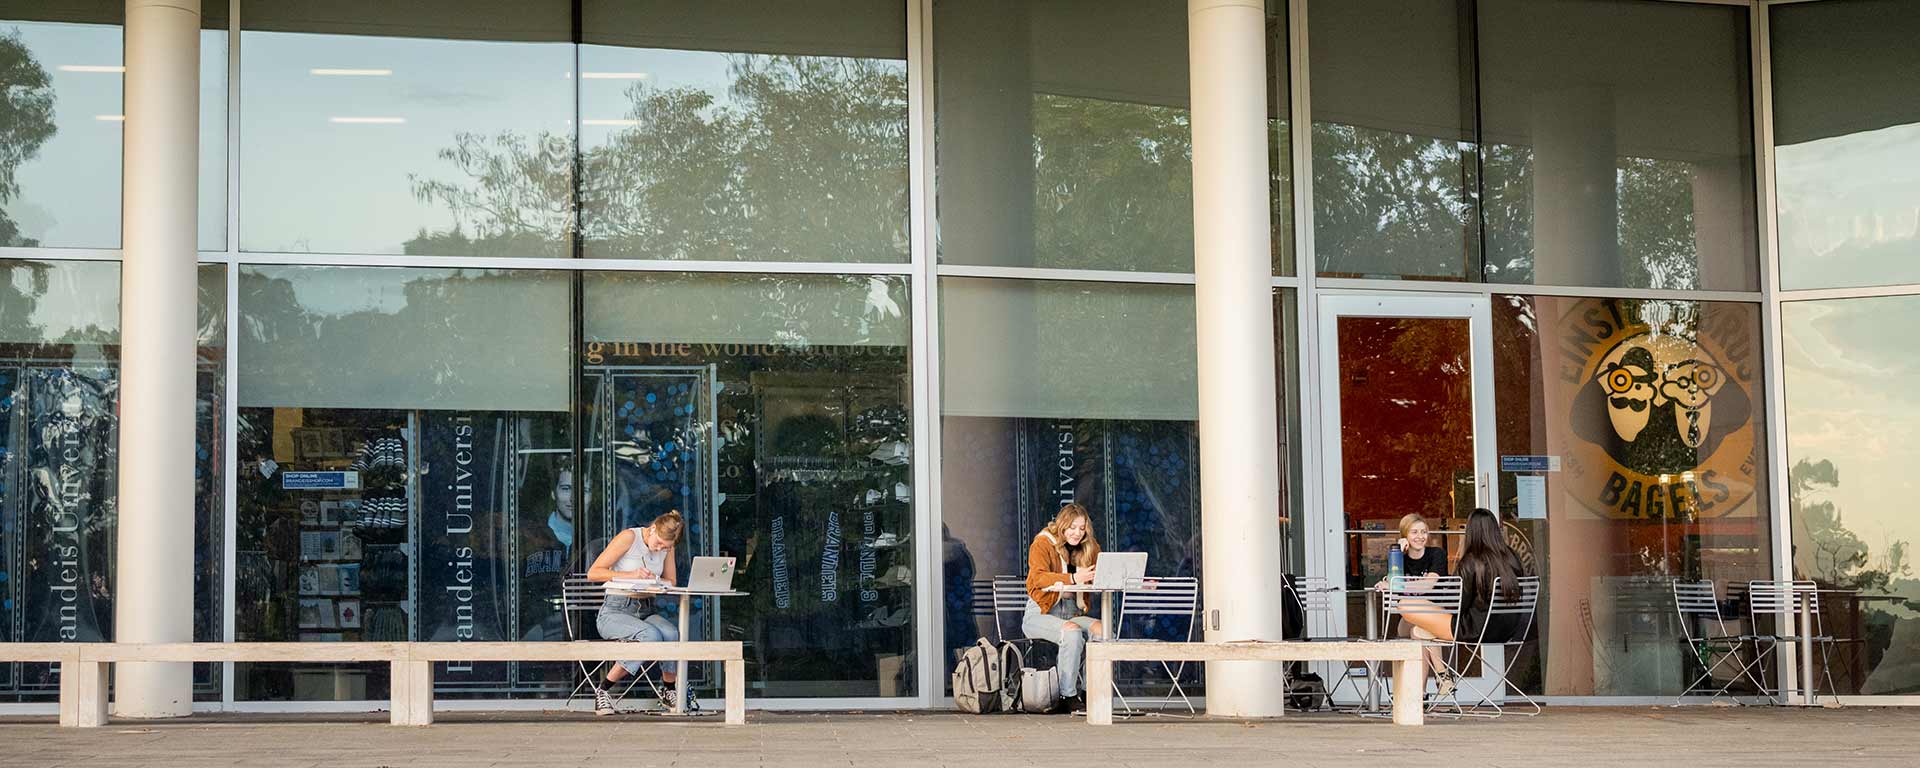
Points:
367	120
113	68
614	75
351	72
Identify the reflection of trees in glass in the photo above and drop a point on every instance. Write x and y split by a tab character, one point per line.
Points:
26	122
1388	203
1830	553
804	159
1112	184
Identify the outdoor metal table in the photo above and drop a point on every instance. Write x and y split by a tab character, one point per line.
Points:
1108	631
680	668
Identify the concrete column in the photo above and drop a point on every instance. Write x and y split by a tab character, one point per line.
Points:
153	600
1239	440
1575	205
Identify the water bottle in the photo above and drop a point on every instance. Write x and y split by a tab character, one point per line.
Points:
1396	565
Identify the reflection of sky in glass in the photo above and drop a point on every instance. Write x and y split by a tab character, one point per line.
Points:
1853	398
609	73
1850	209
315	183
70	189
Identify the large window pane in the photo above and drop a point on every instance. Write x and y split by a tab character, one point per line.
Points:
430	128
61	74
1617	144
1853	440
442	395
1064	138
1057	392
1846	118
59	390
744	131
1393	152
1280	127
1661	477
773	411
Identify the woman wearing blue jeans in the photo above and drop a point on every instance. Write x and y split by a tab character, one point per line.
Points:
636	553
1062	553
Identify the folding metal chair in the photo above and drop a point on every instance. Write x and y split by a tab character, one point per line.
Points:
1316	598
983	606
1009	596
1785	602
1524	605
1439	596
1175	596
581	596
1705	632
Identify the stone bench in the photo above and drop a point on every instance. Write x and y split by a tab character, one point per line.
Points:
1408	683
83	666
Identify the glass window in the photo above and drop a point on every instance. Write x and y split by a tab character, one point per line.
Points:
1853	440
744	131
402	459
61	72
429	128
774	412
1393	151
1057	392
1617	144
1280	125
1064	139
1846	124
1650	416
59	387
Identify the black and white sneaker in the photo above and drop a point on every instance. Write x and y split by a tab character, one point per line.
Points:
666	699
602	702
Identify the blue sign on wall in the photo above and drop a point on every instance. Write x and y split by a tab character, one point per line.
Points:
319	481
1529	463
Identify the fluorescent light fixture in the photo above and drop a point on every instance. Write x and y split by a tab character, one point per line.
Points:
351	72
93	68
614	75
111	118
367	120
609	122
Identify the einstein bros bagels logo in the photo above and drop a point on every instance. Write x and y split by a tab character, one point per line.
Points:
1663	416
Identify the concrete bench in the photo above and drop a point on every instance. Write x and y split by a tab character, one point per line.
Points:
83	666
1408	682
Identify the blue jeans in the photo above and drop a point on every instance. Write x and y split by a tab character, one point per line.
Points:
620	619
1053	627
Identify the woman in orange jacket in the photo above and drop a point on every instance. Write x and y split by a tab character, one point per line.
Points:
1062	553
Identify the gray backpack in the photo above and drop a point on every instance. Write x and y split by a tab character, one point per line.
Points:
979	680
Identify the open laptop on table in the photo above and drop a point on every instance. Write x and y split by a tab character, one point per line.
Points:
710	574
1119	570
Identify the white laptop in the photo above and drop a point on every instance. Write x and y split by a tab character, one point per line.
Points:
1119	570
711	574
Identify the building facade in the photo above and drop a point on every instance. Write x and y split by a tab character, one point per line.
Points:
868	289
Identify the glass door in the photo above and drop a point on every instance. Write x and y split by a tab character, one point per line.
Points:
1406	398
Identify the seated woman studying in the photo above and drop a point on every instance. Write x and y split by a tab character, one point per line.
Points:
1063	553
636	553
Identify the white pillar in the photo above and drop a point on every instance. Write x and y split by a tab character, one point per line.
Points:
153	600
1239	440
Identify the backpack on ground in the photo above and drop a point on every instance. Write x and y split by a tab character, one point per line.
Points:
979	679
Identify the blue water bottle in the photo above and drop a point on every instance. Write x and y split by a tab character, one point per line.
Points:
1396	565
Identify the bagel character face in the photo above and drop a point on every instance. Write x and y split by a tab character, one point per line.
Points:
1627	377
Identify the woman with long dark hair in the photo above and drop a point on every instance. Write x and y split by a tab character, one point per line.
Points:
1485	560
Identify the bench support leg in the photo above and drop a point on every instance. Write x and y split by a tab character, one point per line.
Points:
1099	690
736	672
83	694
412	693
1409	687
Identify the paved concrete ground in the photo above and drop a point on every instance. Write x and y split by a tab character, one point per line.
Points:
1692	737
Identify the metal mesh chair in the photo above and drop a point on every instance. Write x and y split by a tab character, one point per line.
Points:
580	596
1438	596
1174	597
1709	640
1316	598
1523	607
983	605
1009	596
1785	602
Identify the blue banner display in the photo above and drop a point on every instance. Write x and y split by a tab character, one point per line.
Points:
1529	463
464	562
68	527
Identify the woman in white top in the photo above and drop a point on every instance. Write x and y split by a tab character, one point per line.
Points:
636	553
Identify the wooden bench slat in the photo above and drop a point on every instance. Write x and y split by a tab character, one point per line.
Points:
245	652
582	650
1388	650
10	652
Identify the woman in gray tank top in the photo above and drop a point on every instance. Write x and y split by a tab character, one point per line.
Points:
637	553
